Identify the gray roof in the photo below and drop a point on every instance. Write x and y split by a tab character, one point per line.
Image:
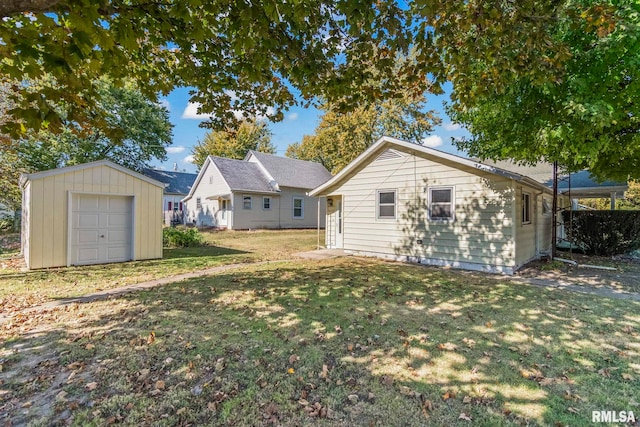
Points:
179	182
292	172
575	182
242	175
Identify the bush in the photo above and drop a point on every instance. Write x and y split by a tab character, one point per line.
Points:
604	233
7	223
181	237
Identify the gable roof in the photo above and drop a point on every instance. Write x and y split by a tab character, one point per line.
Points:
37	175
289	172
241	175
404	146
176	182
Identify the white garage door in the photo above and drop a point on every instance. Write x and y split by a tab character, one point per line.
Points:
101	229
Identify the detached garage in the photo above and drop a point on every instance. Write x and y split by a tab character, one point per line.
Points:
92	213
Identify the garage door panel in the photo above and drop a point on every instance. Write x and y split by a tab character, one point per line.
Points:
88	202
88	220
101	229
119	204
118	220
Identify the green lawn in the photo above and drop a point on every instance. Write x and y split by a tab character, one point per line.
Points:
339	342
23	289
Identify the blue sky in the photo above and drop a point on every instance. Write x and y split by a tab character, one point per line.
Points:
297	122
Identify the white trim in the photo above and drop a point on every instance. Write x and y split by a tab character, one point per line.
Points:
293	213
453	203
51	172
244	206
395	204
412	148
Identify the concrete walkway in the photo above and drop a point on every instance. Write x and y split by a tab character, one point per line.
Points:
573	287
321	254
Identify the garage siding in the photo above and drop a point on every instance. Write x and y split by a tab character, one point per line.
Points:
46	234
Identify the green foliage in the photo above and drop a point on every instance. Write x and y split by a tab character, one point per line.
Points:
234	143
342	136
604	233
7	223
587	117
173	237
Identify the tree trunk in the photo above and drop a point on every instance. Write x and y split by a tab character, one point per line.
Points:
14	7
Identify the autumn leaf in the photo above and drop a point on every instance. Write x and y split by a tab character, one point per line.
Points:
91	386
151	338
160	385
448	395
291	371
293	358
464	417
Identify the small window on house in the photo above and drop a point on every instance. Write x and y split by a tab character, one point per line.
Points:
266	203
526	208
168	206
198	203
246	202
298	207
441	206
386	204
211	179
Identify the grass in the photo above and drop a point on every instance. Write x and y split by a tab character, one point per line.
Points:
23	289
340	342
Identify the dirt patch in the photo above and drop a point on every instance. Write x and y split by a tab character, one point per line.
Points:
621	274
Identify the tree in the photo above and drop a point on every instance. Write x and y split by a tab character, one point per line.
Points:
341	137
246	56
234	143
588	118
143	127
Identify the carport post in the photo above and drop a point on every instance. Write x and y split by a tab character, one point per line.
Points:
318	236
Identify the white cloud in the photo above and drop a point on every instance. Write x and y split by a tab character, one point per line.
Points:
191	112
451	126
293	116
188	159
432	141
175	150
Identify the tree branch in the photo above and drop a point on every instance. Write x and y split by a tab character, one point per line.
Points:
14	7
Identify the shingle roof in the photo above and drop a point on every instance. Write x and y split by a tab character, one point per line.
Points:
179	182
543	173
292	172
242	175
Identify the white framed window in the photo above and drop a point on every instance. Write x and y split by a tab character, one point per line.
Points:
198	203
210	179
441	206
298	207
246	202
266	203
386	204
526	208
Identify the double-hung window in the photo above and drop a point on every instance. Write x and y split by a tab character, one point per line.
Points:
246	202
441	206
386	204
298	208
266	203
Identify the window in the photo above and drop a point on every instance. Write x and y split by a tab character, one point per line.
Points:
441	206
526	208
386	204
168	206
198	203
298	207
210	179
266	203
246	202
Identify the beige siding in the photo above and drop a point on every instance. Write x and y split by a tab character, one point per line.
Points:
481	234
525	233
47	212
281	213
211	184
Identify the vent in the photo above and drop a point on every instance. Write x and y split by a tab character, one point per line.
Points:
389	155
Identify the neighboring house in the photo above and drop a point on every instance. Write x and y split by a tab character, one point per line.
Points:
408	202
261	191
91	213
177	186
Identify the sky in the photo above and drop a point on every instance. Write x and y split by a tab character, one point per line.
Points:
297	123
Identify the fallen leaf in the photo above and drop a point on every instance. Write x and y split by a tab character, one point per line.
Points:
151	338
291	371
160	385
350	347
464	416
488	324
91	386
572	410
293	358
627	377
467	399
448	395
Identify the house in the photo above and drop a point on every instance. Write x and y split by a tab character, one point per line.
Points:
91	213
260	191
177	186
408	202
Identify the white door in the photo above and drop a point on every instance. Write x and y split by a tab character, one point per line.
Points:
101	229
223	213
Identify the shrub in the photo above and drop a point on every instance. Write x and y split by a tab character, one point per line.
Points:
7	223
604	233
181	237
